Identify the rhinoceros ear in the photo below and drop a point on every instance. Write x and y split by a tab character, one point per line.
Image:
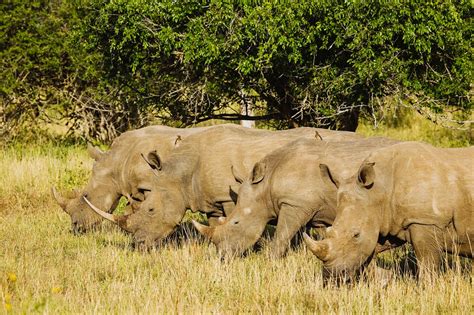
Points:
153	159
327	176
238	178
94	152
366	175
258	172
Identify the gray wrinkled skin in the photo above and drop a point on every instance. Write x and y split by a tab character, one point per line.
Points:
286	185
121	171
198	176
407	192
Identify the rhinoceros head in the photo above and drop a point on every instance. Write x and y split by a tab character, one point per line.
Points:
159	213
350	243
246	223
102	190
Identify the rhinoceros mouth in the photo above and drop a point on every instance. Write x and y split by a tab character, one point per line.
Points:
144	245
141	245
78	230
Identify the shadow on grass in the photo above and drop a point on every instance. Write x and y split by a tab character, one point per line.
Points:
184	233
404	263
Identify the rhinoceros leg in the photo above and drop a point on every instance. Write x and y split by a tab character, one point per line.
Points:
290	221
427	244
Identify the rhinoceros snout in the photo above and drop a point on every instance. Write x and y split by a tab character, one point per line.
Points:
143	245
77	229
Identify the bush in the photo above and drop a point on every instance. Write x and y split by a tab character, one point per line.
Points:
36	67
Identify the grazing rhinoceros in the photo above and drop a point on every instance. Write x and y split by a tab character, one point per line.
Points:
197	175
407	192
286	185
118	171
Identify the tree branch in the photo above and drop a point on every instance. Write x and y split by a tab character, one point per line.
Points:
233	117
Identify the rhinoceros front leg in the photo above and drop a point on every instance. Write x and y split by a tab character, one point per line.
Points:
427	244
290	220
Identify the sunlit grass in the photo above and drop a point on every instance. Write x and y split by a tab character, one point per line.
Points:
56	271
410	125
44	268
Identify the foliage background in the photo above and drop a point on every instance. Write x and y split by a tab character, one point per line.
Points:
103	67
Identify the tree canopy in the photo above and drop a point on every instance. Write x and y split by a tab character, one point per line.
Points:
300	63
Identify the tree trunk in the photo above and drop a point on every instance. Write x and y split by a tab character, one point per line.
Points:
348	121
246	108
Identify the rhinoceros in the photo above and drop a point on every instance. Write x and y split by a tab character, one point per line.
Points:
197	175
286	185
118	172
409	192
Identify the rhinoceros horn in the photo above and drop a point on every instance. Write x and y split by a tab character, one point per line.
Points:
120	221
205	230
319	249
103	214
59	199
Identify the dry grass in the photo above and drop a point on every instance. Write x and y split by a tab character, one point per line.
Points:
405	124
44	268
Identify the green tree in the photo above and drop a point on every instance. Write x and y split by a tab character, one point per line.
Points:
47	76
35	66
107	66
303	62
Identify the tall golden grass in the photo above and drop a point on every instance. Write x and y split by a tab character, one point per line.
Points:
46	269
406	124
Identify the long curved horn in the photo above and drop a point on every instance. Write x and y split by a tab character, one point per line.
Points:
205	230
103	214
59	199
119	220
319	249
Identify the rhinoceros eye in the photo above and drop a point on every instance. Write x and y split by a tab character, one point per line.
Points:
356	235
236	222
151	210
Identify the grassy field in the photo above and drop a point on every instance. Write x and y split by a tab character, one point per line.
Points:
46	269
